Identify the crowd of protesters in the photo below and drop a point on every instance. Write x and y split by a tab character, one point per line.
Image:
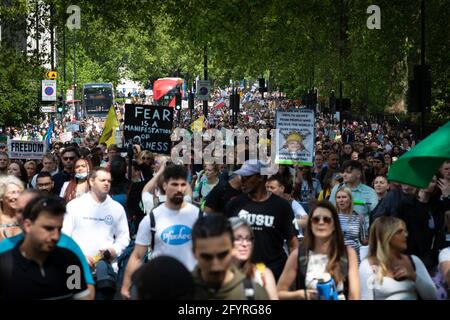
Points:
217	231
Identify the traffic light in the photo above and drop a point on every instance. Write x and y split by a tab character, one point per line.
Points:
60	108
344	105
332	102
419	90
178	101
191	101
262	85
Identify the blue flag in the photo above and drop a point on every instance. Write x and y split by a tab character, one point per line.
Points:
48	135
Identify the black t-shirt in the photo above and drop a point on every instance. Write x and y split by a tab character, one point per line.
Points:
271	222
61	277
220	195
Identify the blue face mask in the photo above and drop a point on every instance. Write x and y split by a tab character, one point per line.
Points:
81	176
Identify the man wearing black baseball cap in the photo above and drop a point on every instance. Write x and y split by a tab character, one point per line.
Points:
269	215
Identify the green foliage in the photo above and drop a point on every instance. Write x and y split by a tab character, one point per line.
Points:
18	92
295	43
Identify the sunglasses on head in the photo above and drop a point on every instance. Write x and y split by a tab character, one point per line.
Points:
318	218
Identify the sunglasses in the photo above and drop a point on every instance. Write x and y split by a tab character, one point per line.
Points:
318	218
210	257
68	158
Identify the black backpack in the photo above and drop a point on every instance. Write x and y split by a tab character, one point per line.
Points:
303	267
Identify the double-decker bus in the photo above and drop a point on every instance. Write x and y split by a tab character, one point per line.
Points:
164	90
97	99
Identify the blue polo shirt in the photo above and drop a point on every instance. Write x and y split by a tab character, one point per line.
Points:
64	242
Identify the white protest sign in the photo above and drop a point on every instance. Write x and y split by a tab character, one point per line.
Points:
295	137
65	137
18	149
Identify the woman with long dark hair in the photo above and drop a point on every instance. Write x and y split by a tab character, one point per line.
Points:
322	254
78	185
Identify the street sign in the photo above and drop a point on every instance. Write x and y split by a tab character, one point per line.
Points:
51	75
69	95
203	89
47	109
48	90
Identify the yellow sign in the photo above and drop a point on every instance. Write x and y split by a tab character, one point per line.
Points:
51	75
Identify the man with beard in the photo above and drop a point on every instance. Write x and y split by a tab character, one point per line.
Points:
216	277
173	222
36	267
269	215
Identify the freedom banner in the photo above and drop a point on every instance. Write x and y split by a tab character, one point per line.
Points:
18	149
149	126
295	137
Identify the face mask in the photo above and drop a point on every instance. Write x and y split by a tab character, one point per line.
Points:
82	175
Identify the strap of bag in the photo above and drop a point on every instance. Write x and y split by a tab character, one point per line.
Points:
302	266
249	290
152	230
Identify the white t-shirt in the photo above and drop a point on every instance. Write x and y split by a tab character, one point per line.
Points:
391	289
96	226
173	235
444	255
299	212
316	269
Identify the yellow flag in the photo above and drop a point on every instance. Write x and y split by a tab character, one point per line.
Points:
111	123
198	125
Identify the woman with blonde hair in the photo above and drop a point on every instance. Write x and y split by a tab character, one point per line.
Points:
389	274
145	160
352	224
10	189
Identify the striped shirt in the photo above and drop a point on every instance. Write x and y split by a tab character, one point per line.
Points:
354	230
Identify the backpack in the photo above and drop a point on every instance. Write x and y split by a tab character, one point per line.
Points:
303	267
153	226
122	260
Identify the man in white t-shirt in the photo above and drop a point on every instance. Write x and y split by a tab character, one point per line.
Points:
280	187
174	220
97	222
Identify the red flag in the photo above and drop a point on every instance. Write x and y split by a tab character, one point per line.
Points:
219	104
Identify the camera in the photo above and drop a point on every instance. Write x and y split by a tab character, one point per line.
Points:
105	275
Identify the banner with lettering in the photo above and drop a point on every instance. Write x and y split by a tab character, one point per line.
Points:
18	149
295	137
149	126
